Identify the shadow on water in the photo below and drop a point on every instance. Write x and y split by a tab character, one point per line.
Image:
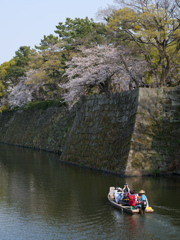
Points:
43	199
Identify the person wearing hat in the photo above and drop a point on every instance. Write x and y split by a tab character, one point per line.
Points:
143	202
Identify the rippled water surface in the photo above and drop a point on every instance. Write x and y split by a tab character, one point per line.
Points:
43	199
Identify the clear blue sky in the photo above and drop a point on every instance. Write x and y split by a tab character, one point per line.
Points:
25	22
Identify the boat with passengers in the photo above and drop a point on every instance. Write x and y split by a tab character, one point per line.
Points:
123	204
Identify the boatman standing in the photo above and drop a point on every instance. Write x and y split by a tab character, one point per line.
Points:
143	202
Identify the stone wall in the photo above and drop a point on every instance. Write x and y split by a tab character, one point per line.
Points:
155	143
102	130
129	133
40	129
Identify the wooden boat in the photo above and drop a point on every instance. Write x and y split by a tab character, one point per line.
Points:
128	209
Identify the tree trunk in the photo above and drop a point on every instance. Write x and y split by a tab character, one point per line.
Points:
132	78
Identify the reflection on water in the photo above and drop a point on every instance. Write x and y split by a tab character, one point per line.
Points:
43	199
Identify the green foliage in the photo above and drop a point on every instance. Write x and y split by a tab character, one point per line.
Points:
155	33
16	72
16	67
5	70
49	68
81	31
49	61
45	104
148	79
2	93
48	42
4	108
22	56
22	59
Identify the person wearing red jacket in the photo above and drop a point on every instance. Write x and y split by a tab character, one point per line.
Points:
132	198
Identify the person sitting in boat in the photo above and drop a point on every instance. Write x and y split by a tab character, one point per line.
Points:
118	194
143	201
136	196
132	198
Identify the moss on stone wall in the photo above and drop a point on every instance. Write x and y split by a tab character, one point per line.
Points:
155	141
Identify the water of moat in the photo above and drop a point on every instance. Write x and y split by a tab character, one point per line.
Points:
41	198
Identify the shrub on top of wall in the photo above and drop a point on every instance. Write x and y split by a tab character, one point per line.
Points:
4	108
45	104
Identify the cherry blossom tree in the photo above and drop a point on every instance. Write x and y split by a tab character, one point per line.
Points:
101	70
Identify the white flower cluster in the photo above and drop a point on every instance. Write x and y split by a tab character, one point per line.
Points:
100	66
